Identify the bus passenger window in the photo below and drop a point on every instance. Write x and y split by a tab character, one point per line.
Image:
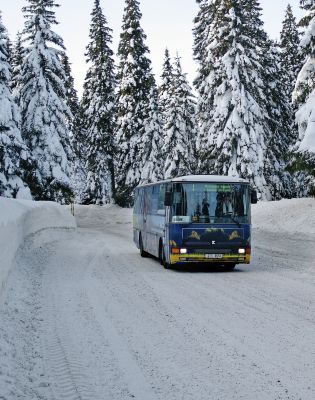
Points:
136	202
154	200
161	198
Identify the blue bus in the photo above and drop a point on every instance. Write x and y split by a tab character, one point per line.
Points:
195	219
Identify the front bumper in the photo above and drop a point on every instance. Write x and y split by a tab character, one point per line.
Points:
201	258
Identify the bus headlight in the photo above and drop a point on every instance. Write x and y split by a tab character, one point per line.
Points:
183	251
241	251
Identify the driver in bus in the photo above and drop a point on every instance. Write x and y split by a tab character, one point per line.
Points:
205	207
227	206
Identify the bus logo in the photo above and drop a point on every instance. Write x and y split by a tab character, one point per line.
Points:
213	242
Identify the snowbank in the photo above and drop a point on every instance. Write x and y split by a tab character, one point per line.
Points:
20	218
284	216
291	216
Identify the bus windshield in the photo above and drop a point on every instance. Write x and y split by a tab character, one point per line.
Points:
210	203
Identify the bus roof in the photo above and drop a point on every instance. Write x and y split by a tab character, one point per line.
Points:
202	178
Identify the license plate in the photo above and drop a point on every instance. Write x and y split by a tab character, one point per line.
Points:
214	256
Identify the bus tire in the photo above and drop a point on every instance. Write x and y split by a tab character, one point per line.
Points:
165	264
160	252
143	253
229	267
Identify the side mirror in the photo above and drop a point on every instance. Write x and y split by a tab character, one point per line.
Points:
168	200
253	197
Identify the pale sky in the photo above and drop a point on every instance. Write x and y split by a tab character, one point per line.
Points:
165	22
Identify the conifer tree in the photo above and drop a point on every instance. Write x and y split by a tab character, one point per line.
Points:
72	99
304	99
135	83
166	87
202	24
306	79
79	147
291	62
74	125
152	167
180	127
98	111
17	63
278	115
10	51
44	105
280	121
71	93
201	31
291	54
13	152
233	116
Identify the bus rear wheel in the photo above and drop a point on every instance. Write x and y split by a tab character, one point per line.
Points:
161	252
143	253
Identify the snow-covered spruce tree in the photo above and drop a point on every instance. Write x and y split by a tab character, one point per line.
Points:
45	113
233	118
98	105
202	32
71	96
202	26
135	83
10	51
75	127
291	61
13	152
291	54
17	63
280	120
153	163
278	110
180	127
304	99
79	147
71	93
166	87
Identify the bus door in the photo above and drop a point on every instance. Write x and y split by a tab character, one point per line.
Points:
150	219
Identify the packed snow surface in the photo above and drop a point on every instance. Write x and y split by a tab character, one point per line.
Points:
84	317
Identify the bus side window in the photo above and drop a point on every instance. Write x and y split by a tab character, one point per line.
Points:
147	200
136	201
154	199
161	198
141	201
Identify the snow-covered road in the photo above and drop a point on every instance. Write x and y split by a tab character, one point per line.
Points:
84	317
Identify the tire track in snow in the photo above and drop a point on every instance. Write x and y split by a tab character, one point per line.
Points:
68	377
134	377
178	352
72	319
267	369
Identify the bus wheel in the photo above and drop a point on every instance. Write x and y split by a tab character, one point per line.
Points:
160	252
165	264
229	267
142	252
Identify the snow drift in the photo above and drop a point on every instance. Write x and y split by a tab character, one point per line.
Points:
285	216
20	218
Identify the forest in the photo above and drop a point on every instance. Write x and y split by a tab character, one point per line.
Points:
249	113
